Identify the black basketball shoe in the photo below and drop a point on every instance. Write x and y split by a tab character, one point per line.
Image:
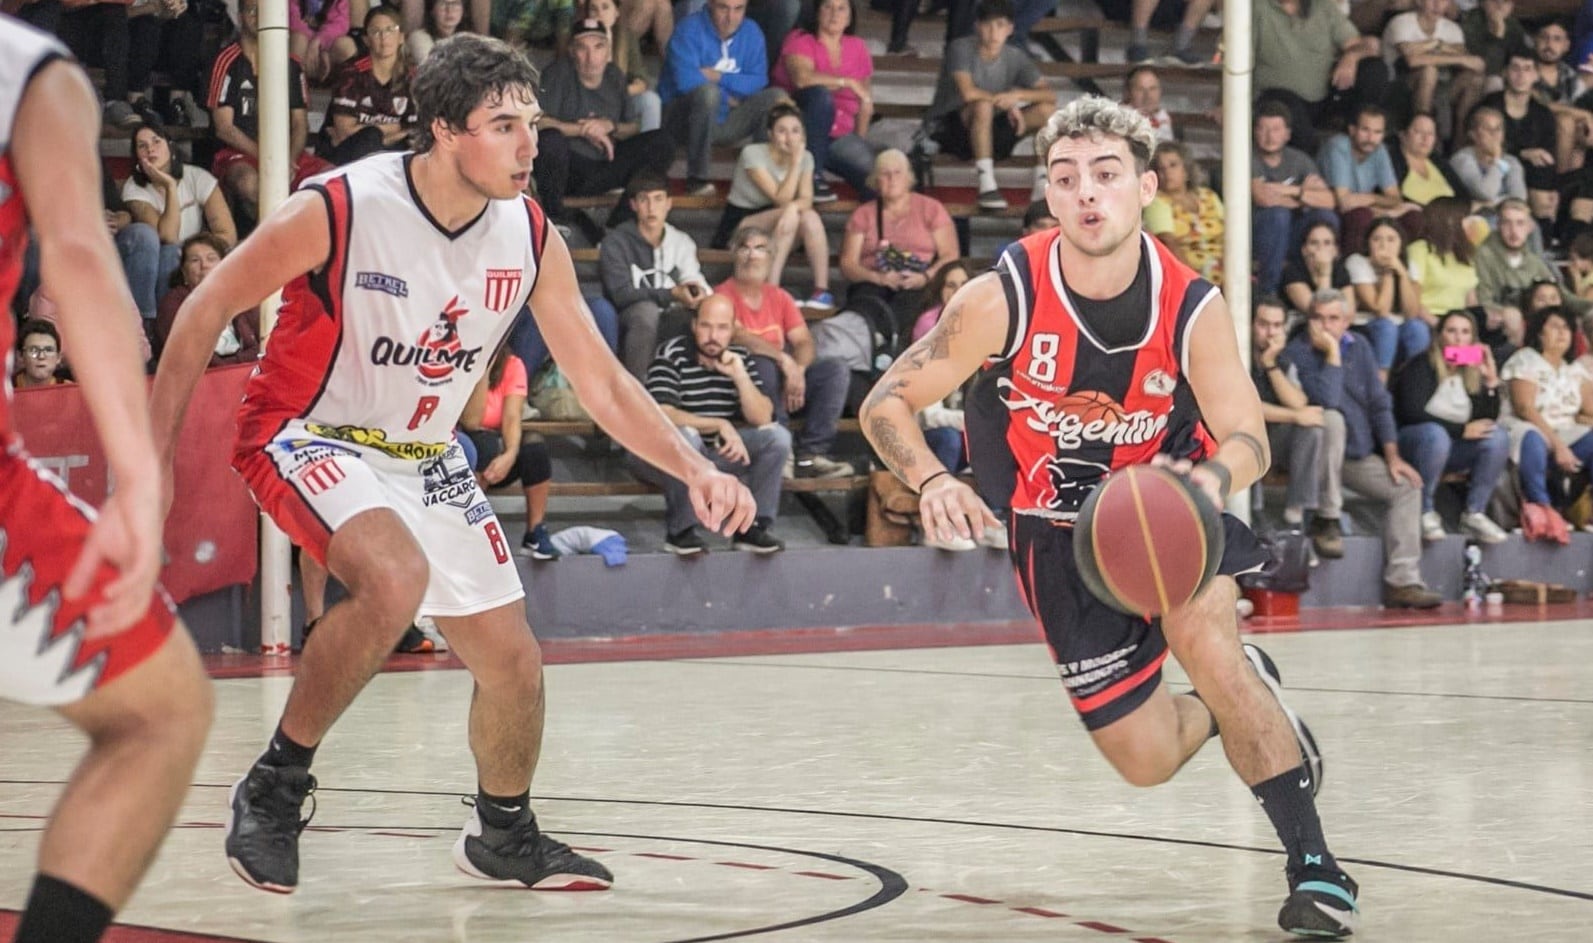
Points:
1321	903
1309	754
522	854
263	835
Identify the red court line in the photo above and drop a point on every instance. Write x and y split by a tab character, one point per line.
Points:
821	639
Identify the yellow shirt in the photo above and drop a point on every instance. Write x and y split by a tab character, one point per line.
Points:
1424	190
1200	233
1445	280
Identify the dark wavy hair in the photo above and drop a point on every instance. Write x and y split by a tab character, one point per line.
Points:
811	23
463	72
1539	319
176	168
37	326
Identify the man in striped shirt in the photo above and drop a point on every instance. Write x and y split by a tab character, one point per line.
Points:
710	391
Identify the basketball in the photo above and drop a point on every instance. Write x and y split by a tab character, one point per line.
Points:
1091	405
1147	541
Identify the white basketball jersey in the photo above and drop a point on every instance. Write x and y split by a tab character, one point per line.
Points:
385	343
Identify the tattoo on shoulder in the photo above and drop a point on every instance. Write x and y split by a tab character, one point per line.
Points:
892	447
940	338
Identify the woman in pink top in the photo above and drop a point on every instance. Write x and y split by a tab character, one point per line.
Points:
318	36
828	72
492	422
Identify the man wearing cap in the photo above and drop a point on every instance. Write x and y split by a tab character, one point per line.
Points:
590	142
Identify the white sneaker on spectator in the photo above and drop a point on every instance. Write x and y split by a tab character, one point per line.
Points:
958	544
1433	527
429	629
996	538
1481	528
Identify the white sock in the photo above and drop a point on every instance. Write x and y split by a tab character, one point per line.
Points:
987	173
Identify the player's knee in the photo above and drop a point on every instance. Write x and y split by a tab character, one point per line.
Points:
517	667
391	593
1143	771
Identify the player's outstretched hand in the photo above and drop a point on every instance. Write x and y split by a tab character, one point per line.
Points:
722	502
949	508
127	536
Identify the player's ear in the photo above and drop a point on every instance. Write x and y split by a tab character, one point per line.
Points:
1147	188
442	132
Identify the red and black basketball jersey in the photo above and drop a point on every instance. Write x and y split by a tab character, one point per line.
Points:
1058	409
24	51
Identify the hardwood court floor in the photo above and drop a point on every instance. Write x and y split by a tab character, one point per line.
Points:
911	794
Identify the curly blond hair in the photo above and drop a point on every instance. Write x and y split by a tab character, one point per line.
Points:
1094	116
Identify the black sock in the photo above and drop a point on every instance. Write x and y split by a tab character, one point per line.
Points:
1287	800
283	751
57	912
501	811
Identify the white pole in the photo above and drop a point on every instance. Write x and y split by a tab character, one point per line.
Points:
276	166
1238	68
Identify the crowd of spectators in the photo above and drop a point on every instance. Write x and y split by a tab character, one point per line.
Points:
1419	185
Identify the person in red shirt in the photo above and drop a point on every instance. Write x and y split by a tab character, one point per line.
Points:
769	324
492	421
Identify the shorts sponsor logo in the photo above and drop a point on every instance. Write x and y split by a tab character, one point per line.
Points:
503	286
1080	677
320	475
376	281
438	352
377	439
448	482
478	513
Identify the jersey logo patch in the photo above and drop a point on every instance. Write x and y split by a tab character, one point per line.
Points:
377	281
436	354
1158	383
1083	416
503	286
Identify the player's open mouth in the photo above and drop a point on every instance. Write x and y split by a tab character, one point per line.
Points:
1092	219
522	178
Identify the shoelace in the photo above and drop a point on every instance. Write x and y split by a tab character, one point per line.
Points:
281	799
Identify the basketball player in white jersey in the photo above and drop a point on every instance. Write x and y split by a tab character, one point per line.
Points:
1094	310
84	629
402	274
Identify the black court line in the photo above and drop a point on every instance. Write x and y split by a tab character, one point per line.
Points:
891	883
1028	677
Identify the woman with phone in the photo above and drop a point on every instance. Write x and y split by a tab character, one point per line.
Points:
1446	404
1545	413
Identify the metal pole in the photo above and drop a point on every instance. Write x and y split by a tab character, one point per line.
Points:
1238	68
276	168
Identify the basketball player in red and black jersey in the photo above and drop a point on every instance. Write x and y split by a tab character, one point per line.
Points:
1094	349
84	628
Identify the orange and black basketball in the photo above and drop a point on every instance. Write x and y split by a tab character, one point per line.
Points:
1091	405
1146	540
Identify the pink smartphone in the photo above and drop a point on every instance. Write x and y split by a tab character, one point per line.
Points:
1465	355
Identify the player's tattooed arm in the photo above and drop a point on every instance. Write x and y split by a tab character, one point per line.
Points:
1257	450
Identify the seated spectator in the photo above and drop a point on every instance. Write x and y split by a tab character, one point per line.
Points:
1384	289
828	72
1507	268
240	340
952	276
1317	267
1446	414
640	79
1357	166
1037	218
97	33
39	352
178	200
895	243
1430	51
443	19
989	96
371	110
1183	44
492	422
523	23
1422	177
1142	90
1287	191
591	141
1311	57
1338	371
1544	413
773	190
1580	255
1186	214
800	382
138	246
1442	267
1529	135
318	37
649	16
1487	174
1557	88
710	390
1297	431
1539	296
649	270
1491	31
234	106
715	85
168	35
